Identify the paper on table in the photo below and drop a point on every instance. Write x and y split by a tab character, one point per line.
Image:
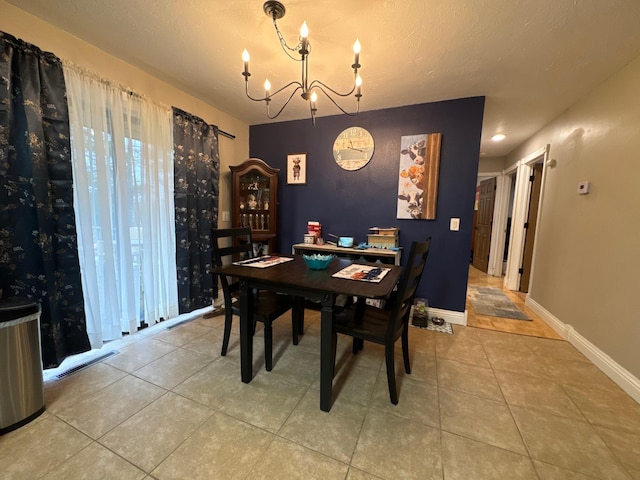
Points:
263	262
364	273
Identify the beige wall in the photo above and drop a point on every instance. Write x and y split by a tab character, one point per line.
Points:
587	257
51	39
490	165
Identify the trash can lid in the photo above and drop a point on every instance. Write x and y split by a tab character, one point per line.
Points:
13	308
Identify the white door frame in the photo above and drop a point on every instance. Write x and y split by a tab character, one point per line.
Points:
519	215
499	228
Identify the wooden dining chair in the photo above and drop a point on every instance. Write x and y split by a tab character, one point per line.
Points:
235	244
386	325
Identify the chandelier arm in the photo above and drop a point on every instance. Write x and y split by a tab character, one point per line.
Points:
265	98
285	103
318	82
336	103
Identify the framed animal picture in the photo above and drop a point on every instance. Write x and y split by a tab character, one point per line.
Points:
297	169
418	176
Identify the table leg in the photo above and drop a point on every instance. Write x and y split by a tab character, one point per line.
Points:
246	332
327	349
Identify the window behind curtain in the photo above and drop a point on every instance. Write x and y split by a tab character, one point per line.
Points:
123	174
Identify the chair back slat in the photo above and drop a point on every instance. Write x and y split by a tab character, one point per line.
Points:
407	287
236	241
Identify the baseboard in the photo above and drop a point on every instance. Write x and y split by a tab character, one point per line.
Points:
457	318
622	377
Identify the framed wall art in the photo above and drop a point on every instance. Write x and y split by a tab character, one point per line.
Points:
297	169
418	176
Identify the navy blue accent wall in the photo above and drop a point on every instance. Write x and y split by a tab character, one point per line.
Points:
348	203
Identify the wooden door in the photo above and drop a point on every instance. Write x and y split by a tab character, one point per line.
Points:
483	225
530	226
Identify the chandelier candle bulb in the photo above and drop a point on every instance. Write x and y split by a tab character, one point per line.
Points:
267	87
245	59
304	33
356	51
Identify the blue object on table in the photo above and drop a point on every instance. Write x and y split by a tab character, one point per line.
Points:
317	261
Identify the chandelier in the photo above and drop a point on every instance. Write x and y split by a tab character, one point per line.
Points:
276	10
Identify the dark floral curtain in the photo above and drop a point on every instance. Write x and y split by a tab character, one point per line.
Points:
38	244
197	183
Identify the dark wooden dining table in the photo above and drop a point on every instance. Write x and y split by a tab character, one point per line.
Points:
296	278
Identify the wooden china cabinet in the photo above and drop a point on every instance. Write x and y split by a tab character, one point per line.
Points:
254	202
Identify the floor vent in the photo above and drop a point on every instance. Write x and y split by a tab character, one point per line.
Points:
86	364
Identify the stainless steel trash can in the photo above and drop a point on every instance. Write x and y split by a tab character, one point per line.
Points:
21	385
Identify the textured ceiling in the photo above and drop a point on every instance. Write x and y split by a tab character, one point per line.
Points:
531	59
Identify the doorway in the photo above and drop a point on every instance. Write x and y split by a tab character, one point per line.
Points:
528	193
484	222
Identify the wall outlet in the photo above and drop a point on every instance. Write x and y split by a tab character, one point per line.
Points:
583	188
226	216
454	224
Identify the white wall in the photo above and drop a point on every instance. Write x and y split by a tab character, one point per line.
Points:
29	28
587	257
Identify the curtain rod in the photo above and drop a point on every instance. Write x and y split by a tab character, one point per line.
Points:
226	134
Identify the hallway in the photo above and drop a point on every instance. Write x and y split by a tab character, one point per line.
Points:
536	328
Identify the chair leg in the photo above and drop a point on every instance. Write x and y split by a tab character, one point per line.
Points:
405	351
391	373
228	318
268	346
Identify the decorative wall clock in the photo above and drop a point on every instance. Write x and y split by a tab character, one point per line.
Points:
353	148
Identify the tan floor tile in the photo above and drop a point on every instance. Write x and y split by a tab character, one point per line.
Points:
480	419
548	347
537	394
355	474
266	402
466	459
332	433
60	394
509	360
173	368
575	372
209	344
392	448
551	472
417	401
38	447
182	334
284	459
212	385
351	383
139	354
625	446
95	461
492	338
223	447
423	365
468	378
462	350
96	415
607	407
295	365
171	419
571	444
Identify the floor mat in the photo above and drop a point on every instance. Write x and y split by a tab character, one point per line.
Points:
493	302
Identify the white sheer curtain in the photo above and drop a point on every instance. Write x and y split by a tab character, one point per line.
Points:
122	154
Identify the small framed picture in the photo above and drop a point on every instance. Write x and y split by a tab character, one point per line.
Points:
297	169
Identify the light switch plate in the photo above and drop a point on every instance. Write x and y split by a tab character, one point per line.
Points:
226	216
454	224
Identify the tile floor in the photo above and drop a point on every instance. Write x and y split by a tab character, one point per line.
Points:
479	404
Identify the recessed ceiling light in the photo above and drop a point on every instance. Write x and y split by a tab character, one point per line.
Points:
498	137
